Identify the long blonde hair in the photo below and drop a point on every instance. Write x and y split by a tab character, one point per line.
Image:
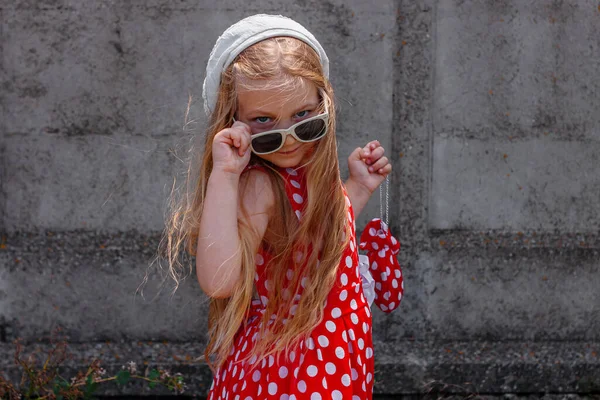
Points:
322	228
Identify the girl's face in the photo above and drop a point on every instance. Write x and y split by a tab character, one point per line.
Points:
279	107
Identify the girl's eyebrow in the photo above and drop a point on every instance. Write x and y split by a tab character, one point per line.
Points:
266	113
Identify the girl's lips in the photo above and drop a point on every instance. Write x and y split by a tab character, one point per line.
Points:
289	152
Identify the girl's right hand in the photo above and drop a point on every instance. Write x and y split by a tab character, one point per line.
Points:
231	148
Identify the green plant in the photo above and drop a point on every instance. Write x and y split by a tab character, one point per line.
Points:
43	381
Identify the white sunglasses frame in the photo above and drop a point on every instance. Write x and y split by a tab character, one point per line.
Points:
292	131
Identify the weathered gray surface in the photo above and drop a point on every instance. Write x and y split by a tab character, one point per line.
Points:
488	110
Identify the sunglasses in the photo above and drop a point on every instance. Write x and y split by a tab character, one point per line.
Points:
306	131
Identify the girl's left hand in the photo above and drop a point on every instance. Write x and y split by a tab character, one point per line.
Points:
369	166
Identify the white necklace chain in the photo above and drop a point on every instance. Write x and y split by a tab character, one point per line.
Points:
387	200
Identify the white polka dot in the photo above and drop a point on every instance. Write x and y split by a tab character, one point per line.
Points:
372	232
264	300
324	382
259	259
383	276
284	396
312	371
374	265
381	253
256	376
336	312
298	214
283	372
392	305
353	304
351	334
354	374
398	273
361	343
343	295
289	274
394	283
369	377
315	396
375	246
303	282
351	247
336	395
310	343
344	279
346	380
348	261
354	318
297	198
365	327
299	256
302	386
399	296
272	388
369	352
330	325
323	341
330	368
295	184
291	171
344	336
340	353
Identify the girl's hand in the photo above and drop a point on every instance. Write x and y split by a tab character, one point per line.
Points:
369	166
231	148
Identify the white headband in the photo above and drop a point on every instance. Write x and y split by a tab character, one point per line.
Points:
244	34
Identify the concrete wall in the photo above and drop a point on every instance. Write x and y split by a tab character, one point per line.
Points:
489	110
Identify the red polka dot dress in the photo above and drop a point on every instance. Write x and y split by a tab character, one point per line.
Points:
336	360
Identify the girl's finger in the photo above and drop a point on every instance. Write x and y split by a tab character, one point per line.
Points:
385	170
245	143
382	162
373	144
376	154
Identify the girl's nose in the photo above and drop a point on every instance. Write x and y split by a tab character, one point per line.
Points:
289	140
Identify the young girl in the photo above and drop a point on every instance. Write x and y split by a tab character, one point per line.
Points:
272	225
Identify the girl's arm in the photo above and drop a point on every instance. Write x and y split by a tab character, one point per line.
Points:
368	167
218	257
358	194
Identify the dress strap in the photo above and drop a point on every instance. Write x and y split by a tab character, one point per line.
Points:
295	188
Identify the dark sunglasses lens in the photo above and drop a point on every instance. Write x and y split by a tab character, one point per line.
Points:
267	143
311	130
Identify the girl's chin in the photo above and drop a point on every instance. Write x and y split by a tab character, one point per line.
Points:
293	160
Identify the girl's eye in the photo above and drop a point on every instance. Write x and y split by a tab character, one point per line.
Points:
262	120
302	114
